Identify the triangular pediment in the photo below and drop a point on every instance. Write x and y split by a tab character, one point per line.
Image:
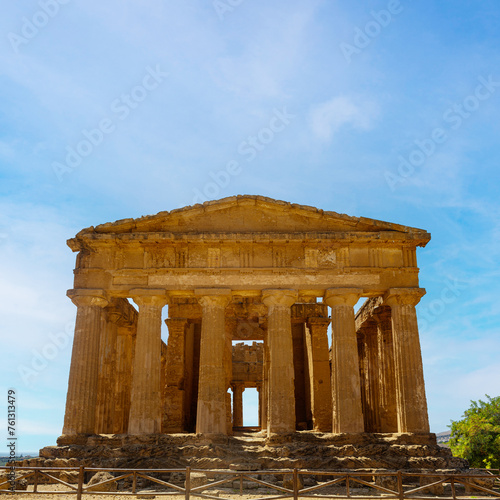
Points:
249	214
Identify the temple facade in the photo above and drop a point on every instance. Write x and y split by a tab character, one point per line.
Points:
260	294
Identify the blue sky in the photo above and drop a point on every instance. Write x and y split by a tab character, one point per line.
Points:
383	109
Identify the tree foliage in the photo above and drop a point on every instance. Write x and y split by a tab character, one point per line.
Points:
477	436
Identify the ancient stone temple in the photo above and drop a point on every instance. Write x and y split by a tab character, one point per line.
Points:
260	294
246	268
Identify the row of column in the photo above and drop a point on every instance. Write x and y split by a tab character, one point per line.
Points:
277	393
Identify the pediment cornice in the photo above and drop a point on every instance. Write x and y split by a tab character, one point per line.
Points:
248	218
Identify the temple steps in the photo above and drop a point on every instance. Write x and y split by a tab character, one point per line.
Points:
252	451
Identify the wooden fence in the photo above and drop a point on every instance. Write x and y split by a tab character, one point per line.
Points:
387	485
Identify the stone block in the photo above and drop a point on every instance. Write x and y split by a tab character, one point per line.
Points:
70	477
389	482
99	477
20	484
197	479
433	490
487	482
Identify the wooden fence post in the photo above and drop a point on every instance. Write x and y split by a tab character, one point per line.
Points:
35	483
81	475
188	481
295	484
400	486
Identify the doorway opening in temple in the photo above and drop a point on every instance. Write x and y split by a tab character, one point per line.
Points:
246	382
251	407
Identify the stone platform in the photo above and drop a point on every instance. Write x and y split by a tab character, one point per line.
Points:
252	451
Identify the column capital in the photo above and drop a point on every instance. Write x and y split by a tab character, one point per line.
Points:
176	322
149	296
403	296
279	297
88	297
342	296
317	321
214	300
209	297
238	386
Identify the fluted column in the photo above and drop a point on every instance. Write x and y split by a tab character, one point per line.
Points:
145	403
230	325
211	413
281	407
410	388
319	374
175	361
106	395
370	372
387	401
264	394
347	415
83	376
125	351
260	394
238	390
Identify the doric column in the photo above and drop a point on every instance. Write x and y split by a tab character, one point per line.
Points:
229	415
264	394
347	415
238	405
163	387
145	404
281	405
174	391
230	326
360	337
410	388
370	375
260	391
388	413
83	376
106	395
126	320
123	380
319	373
211	413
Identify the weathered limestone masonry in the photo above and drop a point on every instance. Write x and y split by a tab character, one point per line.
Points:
245	268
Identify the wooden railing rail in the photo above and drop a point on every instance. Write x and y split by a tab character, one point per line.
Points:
402	485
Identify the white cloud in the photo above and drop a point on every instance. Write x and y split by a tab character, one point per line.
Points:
327	118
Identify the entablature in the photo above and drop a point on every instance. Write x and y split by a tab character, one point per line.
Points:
93	240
